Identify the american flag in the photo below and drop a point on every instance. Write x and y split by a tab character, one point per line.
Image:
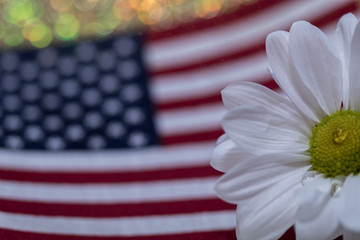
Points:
111	139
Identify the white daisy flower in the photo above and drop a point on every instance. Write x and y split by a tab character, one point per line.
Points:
295	159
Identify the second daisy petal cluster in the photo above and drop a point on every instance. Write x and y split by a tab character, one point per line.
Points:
294	158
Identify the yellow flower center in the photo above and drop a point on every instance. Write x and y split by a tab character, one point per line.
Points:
335	144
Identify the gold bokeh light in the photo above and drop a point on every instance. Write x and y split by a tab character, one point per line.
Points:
38	23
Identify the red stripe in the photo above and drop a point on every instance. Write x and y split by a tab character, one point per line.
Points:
114	210
289	234
270	83
107	177
211	98
256	47
6	234
201	24
192	137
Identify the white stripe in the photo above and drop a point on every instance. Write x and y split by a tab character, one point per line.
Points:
150	158
198	83
129	226
190	120
237	35
153	191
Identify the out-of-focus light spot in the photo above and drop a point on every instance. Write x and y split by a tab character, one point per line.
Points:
134	3
21	11
178	2
66	27
123	10
61	5
118	9
149	5
40	36
152	12
84	5
208	8
90	29
110	21
13	39
165	23
97	29
28	28
156	15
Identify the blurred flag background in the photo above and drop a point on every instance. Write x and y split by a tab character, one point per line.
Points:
109	111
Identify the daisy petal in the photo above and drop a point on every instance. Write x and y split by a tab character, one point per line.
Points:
354	73
351	235
285	75
254	175
319	182
311	203
249	93
226	155
317	216
343	35
261	130
317	64
350	198
270	213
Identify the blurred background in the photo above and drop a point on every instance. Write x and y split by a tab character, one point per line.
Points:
110	109
41	23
